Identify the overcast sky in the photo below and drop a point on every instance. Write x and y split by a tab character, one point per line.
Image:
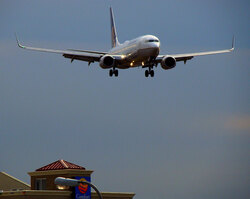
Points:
183	134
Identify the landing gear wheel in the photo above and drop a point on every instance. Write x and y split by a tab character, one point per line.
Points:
146	73
116	72
110	72
152	73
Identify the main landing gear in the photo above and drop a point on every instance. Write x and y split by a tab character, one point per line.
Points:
149	72
113	71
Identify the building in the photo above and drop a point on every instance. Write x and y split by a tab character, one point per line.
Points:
10	183
42	184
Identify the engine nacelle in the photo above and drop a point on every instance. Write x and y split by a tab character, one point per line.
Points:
107	61
168	62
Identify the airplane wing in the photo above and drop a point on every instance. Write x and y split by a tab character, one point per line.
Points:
188	56
83	55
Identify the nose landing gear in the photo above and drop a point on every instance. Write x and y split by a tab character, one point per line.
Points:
150	72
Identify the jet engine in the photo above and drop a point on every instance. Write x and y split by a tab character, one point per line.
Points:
168	62
107	61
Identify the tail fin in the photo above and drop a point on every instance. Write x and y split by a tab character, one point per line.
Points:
114	38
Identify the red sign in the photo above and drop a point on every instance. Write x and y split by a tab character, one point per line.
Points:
83	188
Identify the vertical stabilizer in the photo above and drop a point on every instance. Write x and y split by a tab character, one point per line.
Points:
114	38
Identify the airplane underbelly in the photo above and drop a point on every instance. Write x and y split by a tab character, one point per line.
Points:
147	52
137	57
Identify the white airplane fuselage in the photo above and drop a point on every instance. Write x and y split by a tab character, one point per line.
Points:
141	51
137	52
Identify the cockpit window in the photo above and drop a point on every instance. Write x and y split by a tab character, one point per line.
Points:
152	40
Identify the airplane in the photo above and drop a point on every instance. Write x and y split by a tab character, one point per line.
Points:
142	51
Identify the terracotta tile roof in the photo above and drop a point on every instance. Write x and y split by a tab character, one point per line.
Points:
60	164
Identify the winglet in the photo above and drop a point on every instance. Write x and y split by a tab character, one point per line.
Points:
19	45
233	42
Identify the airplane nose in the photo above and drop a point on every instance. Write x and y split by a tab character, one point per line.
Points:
155	45
155	49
